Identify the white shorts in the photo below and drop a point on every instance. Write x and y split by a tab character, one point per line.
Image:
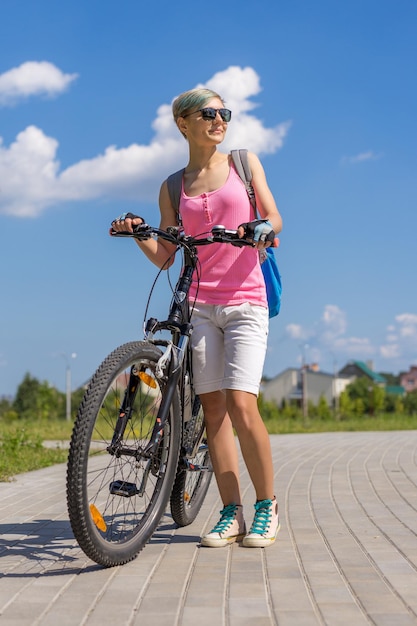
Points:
228	347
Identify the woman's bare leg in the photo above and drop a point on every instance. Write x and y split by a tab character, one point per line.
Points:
222	446
253	438
254	441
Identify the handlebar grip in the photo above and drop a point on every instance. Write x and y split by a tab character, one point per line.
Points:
143	230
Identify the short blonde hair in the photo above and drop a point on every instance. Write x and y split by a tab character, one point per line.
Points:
192	100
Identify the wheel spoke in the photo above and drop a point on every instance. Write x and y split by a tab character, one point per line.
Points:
116	491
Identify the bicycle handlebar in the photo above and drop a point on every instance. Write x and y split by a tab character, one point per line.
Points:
177	236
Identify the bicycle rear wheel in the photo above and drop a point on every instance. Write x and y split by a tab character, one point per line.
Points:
194	471
117	495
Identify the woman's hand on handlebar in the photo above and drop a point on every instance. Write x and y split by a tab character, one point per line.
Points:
259	232
125	223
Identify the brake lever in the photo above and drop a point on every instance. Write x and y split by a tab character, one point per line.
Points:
223	235
141	228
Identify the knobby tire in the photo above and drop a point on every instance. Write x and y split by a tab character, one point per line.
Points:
116	501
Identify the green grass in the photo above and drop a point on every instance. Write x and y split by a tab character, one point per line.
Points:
386	421
22	449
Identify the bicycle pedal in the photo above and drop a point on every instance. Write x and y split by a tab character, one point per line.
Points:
123	488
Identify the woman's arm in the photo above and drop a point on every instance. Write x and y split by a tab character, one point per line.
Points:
265	202
157	251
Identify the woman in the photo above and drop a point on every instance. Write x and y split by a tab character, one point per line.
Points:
230	317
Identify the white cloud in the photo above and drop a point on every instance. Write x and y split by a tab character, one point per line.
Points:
236	85
28	173
329	337
390	351
33	78
357	347
369	155
295	331
333	323
407	323
401	339
30	170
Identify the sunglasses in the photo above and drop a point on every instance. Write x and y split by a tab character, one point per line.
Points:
209	114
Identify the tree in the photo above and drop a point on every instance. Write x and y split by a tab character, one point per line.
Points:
323	409
410	403
26	396
394	403
345	405
268	410
36	400
5	406
6	411
366	396
376	400
392	379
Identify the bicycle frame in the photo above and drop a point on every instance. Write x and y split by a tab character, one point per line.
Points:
171	362
178	324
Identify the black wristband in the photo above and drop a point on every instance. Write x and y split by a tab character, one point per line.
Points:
132	216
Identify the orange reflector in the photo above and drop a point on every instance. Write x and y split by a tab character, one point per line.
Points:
187	496
98	518
147	379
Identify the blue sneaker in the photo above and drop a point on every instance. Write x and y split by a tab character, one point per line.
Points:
265	526
231	527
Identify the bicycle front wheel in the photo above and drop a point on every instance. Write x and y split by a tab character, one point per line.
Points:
117	494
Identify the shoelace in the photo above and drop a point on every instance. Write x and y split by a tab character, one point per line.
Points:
263	515
227	518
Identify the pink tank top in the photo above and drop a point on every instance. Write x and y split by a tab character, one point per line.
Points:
228	275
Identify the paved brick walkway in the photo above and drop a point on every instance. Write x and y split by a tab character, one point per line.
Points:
346	553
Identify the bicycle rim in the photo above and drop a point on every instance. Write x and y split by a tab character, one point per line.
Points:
116	500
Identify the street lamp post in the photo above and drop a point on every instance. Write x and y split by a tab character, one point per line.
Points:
335	390
304	379
68	384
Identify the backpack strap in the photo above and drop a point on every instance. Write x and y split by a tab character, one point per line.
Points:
174	183
241	163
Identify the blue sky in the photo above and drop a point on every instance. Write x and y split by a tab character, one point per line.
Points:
324	92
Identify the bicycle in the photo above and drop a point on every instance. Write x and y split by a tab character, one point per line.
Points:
138	441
